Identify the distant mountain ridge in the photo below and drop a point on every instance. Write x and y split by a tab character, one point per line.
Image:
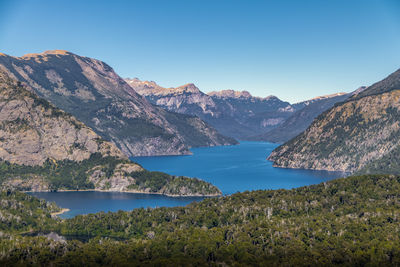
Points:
233	113
230	94
303	117
361	134
91	90
238	113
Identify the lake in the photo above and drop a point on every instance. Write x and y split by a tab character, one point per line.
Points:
231	168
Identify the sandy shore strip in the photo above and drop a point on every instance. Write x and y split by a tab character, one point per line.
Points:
59	212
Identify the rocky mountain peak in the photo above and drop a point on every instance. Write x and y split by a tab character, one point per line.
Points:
328	96
271	97
187	88
230	94
138	84
358	90
45	53
305	103
146	88
390	83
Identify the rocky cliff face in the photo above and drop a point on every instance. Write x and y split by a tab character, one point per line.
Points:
32	131
353	136
236	114
91	91
43	148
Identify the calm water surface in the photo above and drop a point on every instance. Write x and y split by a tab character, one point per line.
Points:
231	168
92	202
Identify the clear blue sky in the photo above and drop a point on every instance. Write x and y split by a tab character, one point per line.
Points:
292	49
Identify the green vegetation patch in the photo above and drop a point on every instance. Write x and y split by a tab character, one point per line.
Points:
171	185
21	212
72	175
66	174
352	221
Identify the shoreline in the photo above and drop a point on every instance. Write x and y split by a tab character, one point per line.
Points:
130	192
345	173
63	210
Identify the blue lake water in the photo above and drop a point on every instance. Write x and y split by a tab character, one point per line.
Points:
91	202
231	168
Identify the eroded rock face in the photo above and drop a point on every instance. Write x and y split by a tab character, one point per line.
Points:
34	183
32	132
120	179
358	135
90	90
149	145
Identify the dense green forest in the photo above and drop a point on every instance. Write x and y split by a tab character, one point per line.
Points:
72	175
350	221
21	212
66	174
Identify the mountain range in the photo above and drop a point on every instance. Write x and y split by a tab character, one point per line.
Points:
90	90
361	134
227	111
237	113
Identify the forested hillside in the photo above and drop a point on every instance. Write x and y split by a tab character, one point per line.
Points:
350	221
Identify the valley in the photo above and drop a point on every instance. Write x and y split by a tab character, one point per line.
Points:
199	133
83	190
